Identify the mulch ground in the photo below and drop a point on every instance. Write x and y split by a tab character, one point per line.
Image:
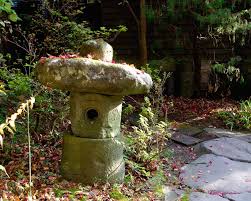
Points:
198	112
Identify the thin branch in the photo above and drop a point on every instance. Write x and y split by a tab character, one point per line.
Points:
6	39
132	12
25	38
115	36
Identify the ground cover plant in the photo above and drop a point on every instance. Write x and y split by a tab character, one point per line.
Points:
238	118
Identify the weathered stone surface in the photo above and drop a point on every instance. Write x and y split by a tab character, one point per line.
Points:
185	139
175	195
97	49
239	197
226	133
246	138
197	196
213	173
172	194
92	160
189	130
93	76
104	123
229	147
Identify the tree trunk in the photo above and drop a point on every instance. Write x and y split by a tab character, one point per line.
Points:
142	34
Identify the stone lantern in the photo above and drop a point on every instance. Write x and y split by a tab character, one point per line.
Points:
93	152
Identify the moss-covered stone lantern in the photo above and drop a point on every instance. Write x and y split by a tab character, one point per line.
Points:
93	152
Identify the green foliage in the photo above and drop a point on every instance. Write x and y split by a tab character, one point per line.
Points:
16	82
50	107
106	33
236	25
54	28
15	87
185	197
157	182
72	194
229	69
154	71
159	76
147	140
147	112
219	18
224	75
117	194
7	13
239	119
59	32
128	110
143	145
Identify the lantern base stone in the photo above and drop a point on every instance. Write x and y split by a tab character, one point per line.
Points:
91	161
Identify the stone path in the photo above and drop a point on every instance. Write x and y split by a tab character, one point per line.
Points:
246	136
222	172
231	148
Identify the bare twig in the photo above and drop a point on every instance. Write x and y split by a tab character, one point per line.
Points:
14	43
131	11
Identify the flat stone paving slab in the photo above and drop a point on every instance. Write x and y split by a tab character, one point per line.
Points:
197	196
246	136
189	130
185	139
172	194
213	174
239	197
175	195
231	148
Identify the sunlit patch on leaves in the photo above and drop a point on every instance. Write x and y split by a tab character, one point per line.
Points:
224	76
9	125
238	118
2	88
185	197
6	8
117	194
2	168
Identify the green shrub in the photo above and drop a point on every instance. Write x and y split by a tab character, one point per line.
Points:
16	82
239	119
7	13
117	194
15	86
224	76
147	139
52	29
50	108
59	31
